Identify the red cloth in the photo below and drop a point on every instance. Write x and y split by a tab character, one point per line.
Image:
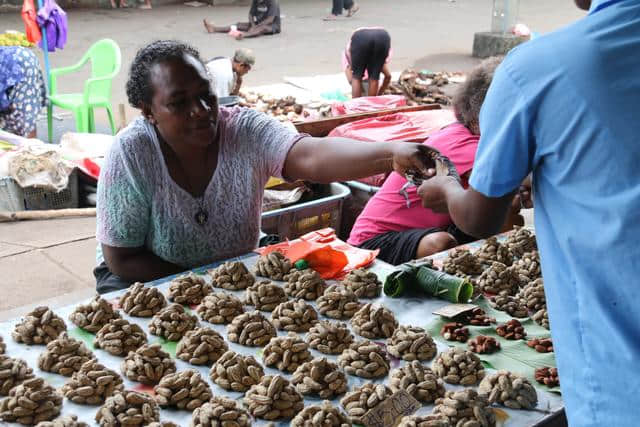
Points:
366	104
324	252
387	210
31	27
413	127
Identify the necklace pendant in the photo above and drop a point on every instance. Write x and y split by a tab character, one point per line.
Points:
201	217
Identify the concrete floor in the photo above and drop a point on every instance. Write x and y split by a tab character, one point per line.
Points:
45	259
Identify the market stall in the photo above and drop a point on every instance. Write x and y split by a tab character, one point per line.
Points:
220	299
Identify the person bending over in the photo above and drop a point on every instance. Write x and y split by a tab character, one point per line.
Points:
366	56
227	73
402	232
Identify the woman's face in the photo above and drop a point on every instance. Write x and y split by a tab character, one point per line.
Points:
184	107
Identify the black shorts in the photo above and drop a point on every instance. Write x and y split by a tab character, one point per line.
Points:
106	281
398	247
369	50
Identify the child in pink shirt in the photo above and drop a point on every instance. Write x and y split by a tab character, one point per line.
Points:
403	233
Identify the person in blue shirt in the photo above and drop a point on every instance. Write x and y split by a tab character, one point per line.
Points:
566	107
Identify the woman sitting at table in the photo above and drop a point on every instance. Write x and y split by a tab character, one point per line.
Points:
183	184
404	230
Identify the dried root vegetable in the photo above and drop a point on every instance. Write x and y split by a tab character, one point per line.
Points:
306	284
286	353
374	321
236	372
93	315
64	356
499	278
31	402
220	411
329	337
541	345
484	345
189	289
362	399
462	263
182	390
92	384
13	372
64	421
320	377
273	266
172	322
338	302
201	346
220	308
119	337
364	359
509	389
509	304
148	364
494	251
418	380
541	317
476	317
511	330
521	241
454	331
465	408
128	408
41	326
458	366
547	376
532	295
232	275
251	329
265	295
411	343
325	415
363	283
424	421
142	301
273	398
294	316
529	265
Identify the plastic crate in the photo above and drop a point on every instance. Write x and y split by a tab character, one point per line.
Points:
360	195
15	198
294	221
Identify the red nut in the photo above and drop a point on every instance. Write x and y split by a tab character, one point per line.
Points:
475	317
484	345
512	330
454	331
541	345
547	376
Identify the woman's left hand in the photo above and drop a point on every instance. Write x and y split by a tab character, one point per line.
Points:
414	157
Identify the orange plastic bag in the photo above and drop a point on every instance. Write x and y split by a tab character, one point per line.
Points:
324	252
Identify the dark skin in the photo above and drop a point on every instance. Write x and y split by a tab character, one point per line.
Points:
184	111
240	70
374	85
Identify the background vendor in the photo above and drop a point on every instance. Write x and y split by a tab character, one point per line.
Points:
227	73
402	232
182	185
366	57
22	90
264	19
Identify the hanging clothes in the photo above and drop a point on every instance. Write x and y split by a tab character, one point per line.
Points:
31	27
54	20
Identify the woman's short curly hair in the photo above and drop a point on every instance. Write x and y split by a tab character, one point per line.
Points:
468	99
139	90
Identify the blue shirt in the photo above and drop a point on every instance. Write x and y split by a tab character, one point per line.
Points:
567	107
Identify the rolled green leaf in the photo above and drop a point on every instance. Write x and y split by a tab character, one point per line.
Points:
411	279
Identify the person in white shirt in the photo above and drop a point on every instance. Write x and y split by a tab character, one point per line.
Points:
227	73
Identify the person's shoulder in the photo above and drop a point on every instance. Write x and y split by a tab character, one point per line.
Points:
134	142
243	117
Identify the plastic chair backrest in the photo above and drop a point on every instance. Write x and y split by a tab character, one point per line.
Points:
105	60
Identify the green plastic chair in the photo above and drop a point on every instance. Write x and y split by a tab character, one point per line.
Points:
105	64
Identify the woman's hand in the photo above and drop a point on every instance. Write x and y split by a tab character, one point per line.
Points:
433	192
414	157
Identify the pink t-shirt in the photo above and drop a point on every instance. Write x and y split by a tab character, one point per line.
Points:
387	210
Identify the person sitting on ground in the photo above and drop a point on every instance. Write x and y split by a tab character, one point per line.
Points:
264	18
182	185
366	56
22	90
338	5
227	73
402	232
